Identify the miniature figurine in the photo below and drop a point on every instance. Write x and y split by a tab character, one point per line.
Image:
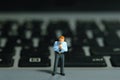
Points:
60	47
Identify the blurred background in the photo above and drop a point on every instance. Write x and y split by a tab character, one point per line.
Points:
59	5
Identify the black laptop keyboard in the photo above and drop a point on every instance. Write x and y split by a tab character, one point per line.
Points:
89	46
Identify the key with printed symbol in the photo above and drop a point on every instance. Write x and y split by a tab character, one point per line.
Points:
34	59
85	61
34	62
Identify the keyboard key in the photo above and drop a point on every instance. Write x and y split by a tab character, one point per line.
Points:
34	57
59	26
8	26
6	54
85	42
36	52
44	42
34	26
75	51
8	51
85	61
112	40
115	60
34	62
112	25
11	41
78	41
6	61
86	25
23	42
104	51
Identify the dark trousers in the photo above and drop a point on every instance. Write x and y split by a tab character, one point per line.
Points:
59	57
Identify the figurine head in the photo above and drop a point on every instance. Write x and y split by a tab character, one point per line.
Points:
61	38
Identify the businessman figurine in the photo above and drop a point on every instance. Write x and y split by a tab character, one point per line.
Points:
60	47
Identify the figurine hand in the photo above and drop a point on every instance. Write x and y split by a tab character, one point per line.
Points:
60	46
